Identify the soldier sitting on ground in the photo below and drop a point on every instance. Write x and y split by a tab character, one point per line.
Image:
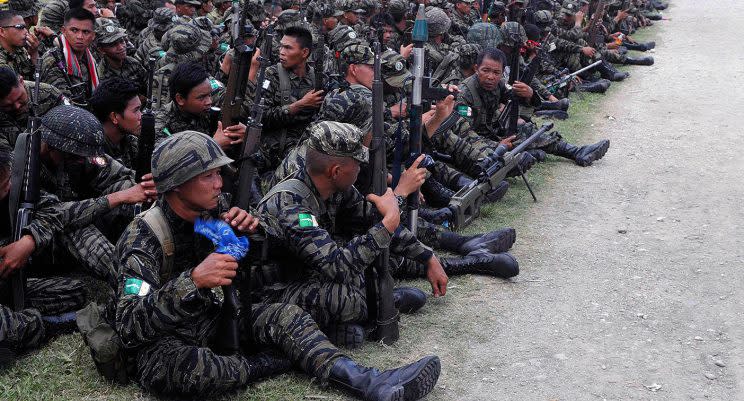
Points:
169	304
117	106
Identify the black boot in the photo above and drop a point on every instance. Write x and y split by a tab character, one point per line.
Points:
598	86
583	156
7	355
346	335
622	50
526	162
562	104
645	60
436	194
408	299
482	262
435	216
640	47
406	383
608	71
55	325
555	114
496	194
268	363
495	241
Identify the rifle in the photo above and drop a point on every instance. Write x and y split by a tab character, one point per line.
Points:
509	117
229	331
319	52
147	133
594	32
560	82
25	188
466	203
381	307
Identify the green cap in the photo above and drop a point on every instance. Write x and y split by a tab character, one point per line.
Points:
183	156
338	139
358	54
394	70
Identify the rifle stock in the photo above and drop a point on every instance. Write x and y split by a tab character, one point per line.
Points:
466	202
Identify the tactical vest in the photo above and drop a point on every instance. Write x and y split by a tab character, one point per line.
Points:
285	91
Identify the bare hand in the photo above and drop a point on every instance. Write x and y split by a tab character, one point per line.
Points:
240	220
437	277
399	110
138	193
411	179
588	51
508	142
387	206
216	270
444	108
43	32
236	133
522	90
106	13
312	99
226	63
405	51
32	42
255	65
15	255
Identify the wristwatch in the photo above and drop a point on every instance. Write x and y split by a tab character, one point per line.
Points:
401	201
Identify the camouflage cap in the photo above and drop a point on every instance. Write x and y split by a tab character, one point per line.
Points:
206	25
195	3
439	22
342	36
353	106
24	8
73	130
108	33
183	156
187	38
53	14
485	34
397	7
358	54
162	19
543	18
394	70
338	139
256	11
496	8
466	1
327	10
287	18
569	9
469	53
513	33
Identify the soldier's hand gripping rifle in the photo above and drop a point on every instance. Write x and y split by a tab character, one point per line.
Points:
595	31
382	313
466	202
241	64
25	188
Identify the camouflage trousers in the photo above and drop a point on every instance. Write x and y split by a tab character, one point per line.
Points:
465	146
613	56
44	296
95	254
172	366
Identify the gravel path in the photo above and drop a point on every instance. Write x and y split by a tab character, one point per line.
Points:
631	283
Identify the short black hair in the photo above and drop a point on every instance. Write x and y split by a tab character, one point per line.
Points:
112	95
533	32
80	14
75	4
383	18
6	16
302	35
8	81
492	53
185	77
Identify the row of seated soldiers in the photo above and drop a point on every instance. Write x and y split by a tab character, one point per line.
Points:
312	202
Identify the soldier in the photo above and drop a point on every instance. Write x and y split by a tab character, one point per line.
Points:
14	39
114	62
480	98
94	187
352	9
116	104
191	101
468	53
162	20
440	44
50	302
497	13
70	67
15	97
168	305
461	17
291	100
186	9
217	15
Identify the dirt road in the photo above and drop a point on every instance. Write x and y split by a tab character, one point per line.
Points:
631	284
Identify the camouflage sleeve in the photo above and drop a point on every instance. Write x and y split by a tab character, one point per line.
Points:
113	177
286	218
146	309
572	35
78	214
465	98
567	46
53	74
46	222
276	115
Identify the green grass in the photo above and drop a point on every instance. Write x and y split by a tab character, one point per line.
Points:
63	370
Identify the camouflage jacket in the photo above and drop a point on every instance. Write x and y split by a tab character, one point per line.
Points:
99	175
170	120
152	302
125	152
481	107
351	102
132	69
19	61
47	221
53	72
12	125
317	234
277	115
460	23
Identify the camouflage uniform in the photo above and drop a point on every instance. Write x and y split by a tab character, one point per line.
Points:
162	20
19	61
303	229
12	125
439	24
169	325
125	152
131	69
171	120
461	23
53	71
468	54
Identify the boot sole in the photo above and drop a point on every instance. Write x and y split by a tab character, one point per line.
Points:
423	383
596	155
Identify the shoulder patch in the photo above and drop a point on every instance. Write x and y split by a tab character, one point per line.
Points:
135	286
307	220
215	84
99	161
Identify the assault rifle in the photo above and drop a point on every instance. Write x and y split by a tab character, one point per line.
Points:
25	188
241	64
147	133
509	117
595	31
562	81
319	55
382	313
466	203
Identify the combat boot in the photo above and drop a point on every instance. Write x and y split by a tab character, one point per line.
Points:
496	194
406	383
7	355
482	262
436	194
553	114
582	155
562	104
645	60
495	241
598	86
346	335
55	325
641	47
435	216
608	71
526	162
268	363
408	299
